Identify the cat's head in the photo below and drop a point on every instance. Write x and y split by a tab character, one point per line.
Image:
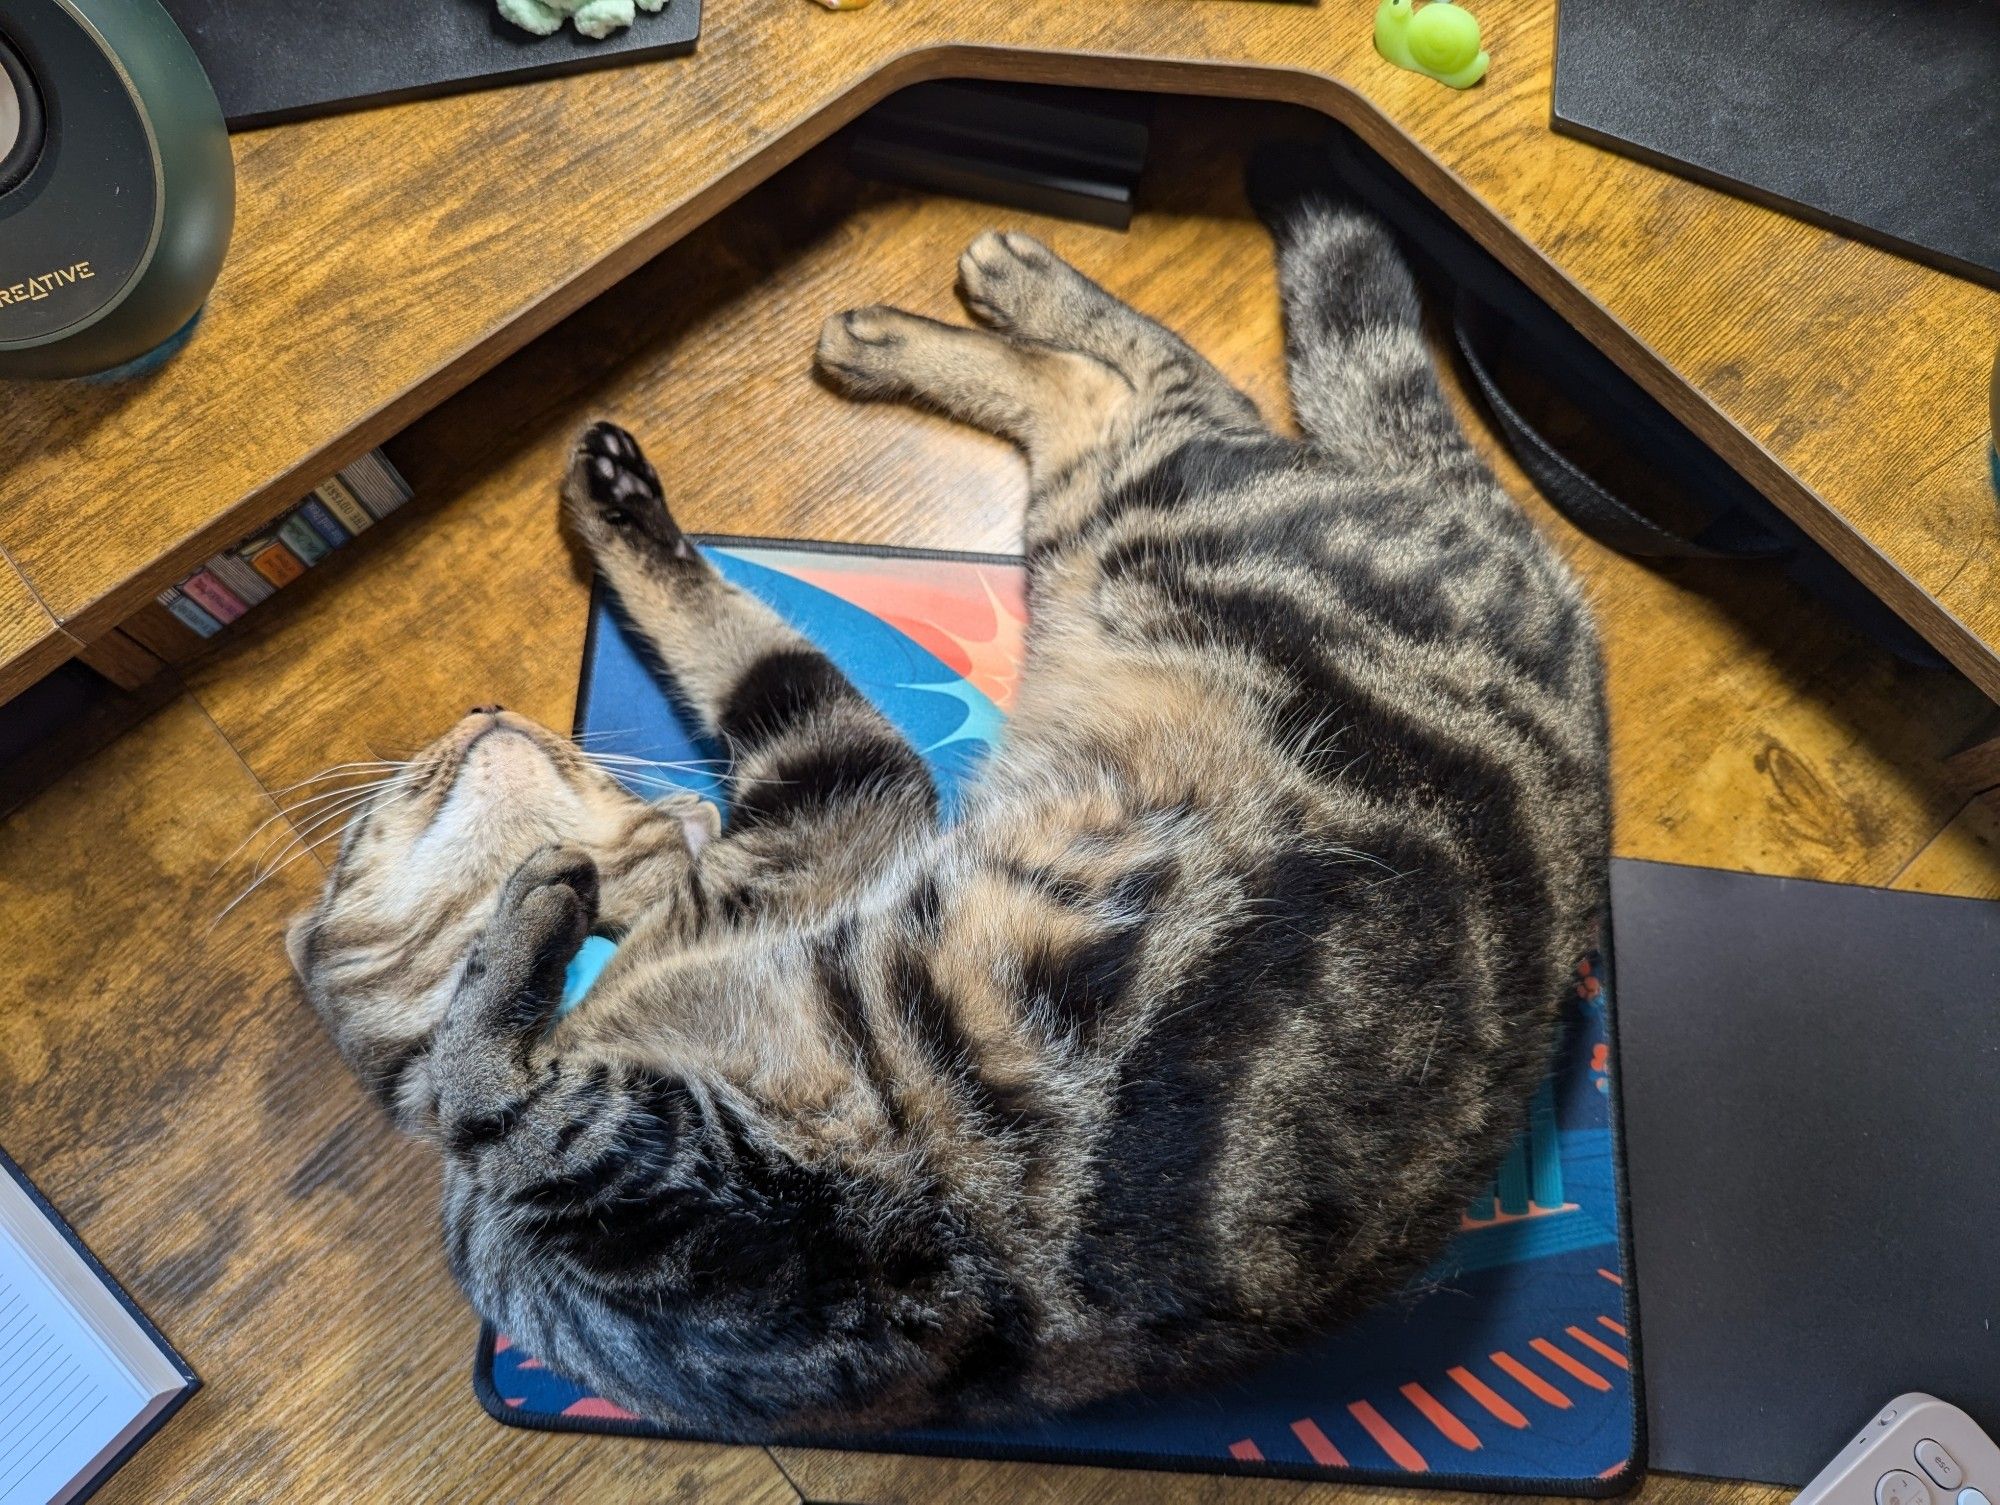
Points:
422	864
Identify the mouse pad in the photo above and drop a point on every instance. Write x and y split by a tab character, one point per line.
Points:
1882	120
273	60
1507	1366
1811	1084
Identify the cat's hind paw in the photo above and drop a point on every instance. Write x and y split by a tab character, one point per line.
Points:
1001	276
864	351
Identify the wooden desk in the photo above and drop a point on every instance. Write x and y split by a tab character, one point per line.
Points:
382	260
164	1083
32	642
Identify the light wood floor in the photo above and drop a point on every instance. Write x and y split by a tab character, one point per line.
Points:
162	1080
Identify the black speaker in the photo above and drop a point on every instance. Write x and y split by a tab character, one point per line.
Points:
117	191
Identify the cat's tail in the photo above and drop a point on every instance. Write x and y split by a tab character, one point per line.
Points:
1362	381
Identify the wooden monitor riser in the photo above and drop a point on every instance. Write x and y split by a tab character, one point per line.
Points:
384	259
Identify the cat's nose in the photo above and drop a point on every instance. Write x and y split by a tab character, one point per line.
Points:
486	710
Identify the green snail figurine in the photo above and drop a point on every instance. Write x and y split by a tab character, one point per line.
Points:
1441	41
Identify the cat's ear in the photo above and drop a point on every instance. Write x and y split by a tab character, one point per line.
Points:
296	934
701	826
701	822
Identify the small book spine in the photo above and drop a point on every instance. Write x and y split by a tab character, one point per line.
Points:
301	540
324	523
344	504
188	613
270	558
213	596
378	484
249	586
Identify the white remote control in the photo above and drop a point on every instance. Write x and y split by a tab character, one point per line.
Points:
1917	1450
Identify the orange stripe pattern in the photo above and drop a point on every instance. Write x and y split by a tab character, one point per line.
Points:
1604	1351
1391	1441
1316	1443
1528	1380
1616	1327
1246	1451
1480	1391
1435	1413
1576	1367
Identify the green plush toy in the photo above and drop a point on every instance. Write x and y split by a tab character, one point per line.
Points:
594	18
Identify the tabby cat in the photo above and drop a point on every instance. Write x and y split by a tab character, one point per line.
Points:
1190	1038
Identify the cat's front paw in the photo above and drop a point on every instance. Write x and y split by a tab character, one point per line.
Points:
550	902
514	975
614	495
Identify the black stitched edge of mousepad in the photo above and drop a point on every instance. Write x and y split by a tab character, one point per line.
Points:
275	60
1619	1482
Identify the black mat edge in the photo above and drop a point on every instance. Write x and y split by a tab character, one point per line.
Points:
1619	1483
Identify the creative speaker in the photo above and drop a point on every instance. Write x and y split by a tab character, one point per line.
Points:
117	191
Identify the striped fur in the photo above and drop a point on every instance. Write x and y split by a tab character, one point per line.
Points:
1188	1040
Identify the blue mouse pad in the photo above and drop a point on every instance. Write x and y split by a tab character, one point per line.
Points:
1509	1365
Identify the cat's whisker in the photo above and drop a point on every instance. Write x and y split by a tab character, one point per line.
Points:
301	843
298	841
650	782
291	812
338	771
309	831
262	826
643	776
372	786
255	884
605	757
312	806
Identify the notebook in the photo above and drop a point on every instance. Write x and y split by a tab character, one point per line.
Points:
84	1377
1510	1365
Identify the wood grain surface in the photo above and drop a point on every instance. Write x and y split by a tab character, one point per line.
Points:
386	258
32	642
162	1079
1964	858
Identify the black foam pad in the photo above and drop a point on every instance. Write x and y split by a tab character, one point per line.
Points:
1882	120
1811	1082
274	60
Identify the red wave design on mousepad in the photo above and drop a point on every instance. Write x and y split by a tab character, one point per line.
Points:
1510	1364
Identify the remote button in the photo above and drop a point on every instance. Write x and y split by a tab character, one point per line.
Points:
1973	1497
1939	1464
1901	1487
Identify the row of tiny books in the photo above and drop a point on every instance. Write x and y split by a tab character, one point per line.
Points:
237	579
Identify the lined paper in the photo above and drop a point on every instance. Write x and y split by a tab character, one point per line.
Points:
64	1399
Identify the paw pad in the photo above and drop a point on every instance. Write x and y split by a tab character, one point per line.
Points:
612	482
616	473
